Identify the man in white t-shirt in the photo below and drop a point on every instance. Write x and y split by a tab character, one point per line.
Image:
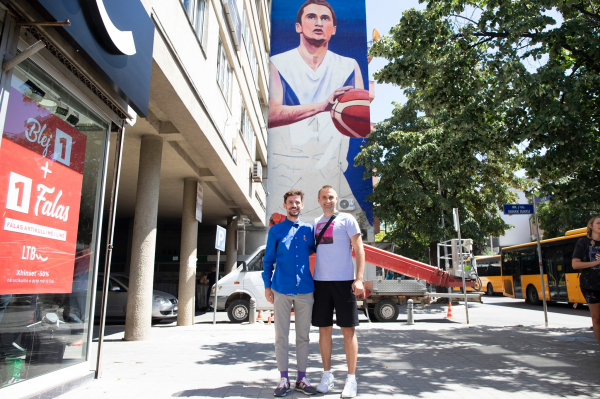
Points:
336	287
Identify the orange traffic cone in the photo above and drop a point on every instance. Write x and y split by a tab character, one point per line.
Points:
292	314
449	315
271	318
260	316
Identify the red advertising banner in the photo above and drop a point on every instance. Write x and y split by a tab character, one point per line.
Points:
41	172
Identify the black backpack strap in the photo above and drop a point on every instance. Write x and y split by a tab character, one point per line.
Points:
325	228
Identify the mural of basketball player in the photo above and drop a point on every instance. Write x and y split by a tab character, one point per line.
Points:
306	80
305	149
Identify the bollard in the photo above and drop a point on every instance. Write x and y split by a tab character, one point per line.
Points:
252	315
409	309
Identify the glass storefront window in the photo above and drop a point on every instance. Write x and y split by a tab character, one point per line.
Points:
51	171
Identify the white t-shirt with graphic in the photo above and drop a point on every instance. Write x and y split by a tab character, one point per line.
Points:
334	253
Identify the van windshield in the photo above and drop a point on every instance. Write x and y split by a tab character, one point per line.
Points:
256	264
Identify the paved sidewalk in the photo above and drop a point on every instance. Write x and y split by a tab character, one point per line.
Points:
439	358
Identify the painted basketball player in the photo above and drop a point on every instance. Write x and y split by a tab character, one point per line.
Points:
306	80
305	148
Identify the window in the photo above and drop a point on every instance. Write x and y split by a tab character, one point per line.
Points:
247	131
494	269
482	269
507	263
250	47
256	264
196	12
223	71
529	262
61	296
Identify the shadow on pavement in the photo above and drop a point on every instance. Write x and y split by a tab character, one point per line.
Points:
483	361
553	307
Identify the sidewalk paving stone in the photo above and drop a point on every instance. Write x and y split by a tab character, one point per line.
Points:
426	360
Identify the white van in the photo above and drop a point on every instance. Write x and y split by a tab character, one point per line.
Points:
243	283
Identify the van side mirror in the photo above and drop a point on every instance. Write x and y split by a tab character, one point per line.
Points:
244	266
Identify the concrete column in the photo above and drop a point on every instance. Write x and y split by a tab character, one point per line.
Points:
141	274
231	244
188	255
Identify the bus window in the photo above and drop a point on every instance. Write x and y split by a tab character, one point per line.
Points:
482	269
494	269
555	268
507	258
509	261
529	263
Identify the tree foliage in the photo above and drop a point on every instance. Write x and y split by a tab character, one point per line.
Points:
556	218
409	158
492	86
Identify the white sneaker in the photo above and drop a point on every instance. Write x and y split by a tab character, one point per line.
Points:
326	383
349	388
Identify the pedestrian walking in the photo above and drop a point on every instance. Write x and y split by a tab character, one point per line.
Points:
336	286
586	257
289	244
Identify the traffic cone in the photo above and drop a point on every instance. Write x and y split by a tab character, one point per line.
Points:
260	316
271	318
292	314
449	315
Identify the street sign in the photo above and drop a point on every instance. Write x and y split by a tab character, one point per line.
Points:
220	240
518	209
543	199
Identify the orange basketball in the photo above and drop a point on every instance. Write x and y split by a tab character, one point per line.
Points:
350	113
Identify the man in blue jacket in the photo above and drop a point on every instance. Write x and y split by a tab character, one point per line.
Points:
290	244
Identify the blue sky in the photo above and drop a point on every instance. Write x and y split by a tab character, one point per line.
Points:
383	15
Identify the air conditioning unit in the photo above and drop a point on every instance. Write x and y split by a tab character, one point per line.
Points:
257	171
346	204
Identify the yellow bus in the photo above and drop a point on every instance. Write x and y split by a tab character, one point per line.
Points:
490	275
521	270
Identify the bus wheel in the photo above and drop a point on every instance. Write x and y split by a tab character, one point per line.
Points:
386	311
532	295
490	289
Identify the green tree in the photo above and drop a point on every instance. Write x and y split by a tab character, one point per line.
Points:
495	74
410	153
556	217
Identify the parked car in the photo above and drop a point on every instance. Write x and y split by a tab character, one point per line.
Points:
163	304
241	284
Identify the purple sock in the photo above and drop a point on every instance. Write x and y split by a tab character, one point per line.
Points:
284	374
301	375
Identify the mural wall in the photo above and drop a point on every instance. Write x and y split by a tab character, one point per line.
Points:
319	103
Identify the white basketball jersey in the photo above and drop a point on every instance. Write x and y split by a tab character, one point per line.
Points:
311	86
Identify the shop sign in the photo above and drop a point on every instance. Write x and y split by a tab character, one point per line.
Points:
116	37
41	172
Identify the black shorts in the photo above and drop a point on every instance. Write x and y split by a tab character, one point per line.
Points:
336	295
591	296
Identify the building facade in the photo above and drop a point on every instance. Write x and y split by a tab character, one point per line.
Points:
184	85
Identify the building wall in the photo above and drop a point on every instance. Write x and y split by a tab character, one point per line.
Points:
207	118
520	233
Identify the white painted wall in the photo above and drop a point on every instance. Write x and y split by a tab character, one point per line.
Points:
520	233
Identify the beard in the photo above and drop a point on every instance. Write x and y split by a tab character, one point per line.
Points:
293	212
